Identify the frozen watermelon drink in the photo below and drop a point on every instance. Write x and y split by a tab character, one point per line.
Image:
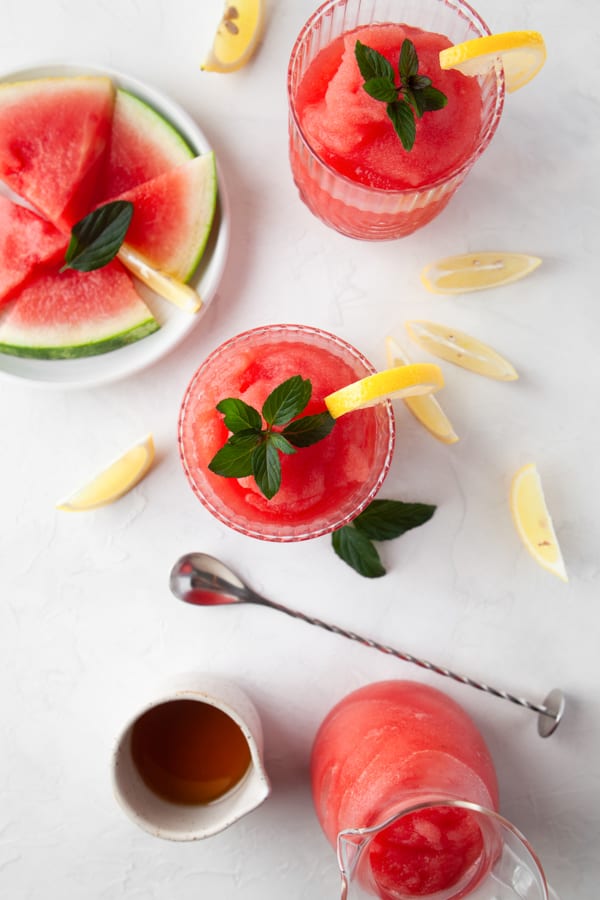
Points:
359	165
405	787
325	475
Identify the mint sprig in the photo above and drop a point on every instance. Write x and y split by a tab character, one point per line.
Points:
96	239
253	450
413	96
382	520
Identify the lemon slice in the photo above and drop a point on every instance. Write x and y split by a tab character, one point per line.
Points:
114	481
168	288
522	54
401	381
461	349
533	522
424	408
477	271
237	36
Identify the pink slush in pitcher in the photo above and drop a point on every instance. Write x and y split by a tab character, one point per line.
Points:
405	789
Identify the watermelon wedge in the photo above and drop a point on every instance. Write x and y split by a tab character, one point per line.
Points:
173	216
53	136
26	242
73	314
143	145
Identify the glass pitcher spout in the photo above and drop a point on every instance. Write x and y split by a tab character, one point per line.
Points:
440	850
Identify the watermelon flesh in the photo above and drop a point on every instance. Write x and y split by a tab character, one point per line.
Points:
74	314
53	137
143	145
26	242
173	216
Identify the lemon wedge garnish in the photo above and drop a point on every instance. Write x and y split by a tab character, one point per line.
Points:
237	36
476	271
168	288
533	522
424	408
522	54
401	381
114	481
461	349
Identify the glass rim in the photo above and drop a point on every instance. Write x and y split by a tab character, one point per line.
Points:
271	531
457	173
357	835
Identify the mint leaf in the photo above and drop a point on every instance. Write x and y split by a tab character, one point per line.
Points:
434	99
356	549
371	63
253	450
96	239
309	429
403	121
414	95
418	82
408	64
238	415
381	89
384	520
234	459
287	401
266	469
280	443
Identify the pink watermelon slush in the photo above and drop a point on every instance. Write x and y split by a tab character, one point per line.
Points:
352	132
322	486
390	744
348	163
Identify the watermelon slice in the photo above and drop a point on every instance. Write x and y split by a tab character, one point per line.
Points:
72	314
143	145
26	242
53	136
173	215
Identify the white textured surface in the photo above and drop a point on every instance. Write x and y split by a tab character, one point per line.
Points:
86	618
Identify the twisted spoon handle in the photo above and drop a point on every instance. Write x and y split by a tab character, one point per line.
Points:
551	710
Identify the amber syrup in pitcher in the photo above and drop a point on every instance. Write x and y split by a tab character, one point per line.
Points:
189	752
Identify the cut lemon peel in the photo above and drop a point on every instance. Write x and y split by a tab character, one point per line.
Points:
114	481
521	53
477	271
398	382
237	36
533	522
182	295
424	408
461	349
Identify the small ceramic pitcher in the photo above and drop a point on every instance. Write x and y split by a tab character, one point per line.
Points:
188	822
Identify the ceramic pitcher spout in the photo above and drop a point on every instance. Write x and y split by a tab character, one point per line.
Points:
505	868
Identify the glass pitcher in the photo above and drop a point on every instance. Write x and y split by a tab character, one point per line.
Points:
505	868
405	789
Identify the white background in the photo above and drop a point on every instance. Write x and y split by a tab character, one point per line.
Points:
87	622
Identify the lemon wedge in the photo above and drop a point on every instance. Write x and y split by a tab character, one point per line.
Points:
168	288
424	408
401	381
114	481
461	349
477	271
237	36
522	54
533	522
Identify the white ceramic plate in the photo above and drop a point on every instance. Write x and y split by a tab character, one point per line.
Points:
175	323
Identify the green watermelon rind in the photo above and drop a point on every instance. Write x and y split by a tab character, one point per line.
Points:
88	348
204	181
211	210
150	121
